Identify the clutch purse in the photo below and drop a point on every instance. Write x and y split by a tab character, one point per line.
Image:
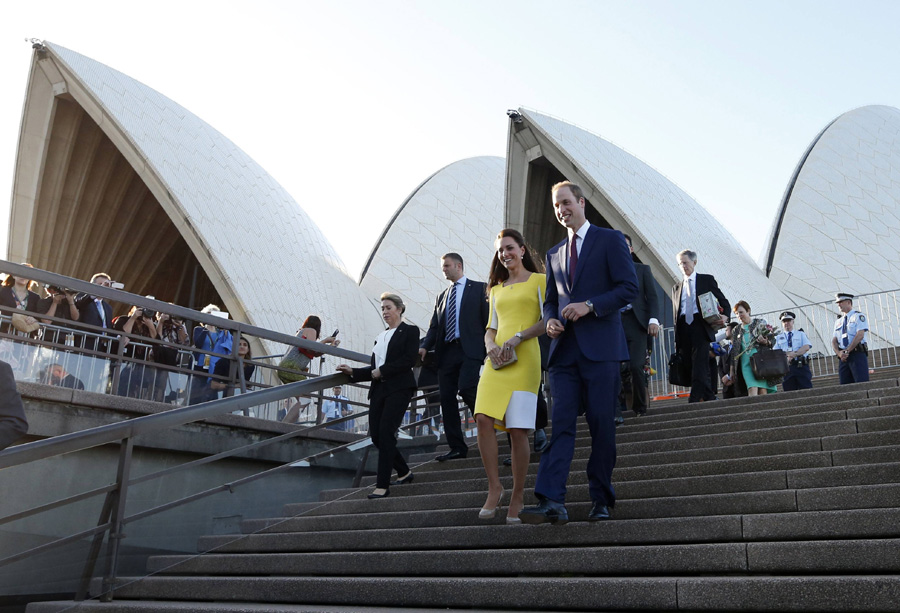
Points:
512	360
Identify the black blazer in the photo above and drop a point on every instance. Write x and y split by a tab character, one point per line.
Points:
397	370
473	318
646	305
705	283
88	312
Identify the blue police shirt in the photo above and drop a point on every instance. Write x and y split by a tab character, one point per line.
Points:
854	322
798	339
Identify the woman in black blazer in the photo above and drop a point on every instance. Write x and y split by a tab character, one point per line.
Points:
393	386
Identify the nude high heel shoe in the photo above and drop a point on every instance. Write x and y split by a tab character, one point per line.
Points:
491	513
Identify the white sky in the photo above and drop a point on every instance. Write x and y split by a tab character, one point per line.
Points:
351	104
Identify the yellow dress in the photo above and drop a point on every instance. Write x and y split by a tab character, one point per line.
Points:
514	388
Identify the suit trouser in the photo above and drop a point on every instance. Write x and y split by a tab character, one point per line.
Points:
693	342
386	413
637	350
13	424
577	381
456	374
855	369
799	378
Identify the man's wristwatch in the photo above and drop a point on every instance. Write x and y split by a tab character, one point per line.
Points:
519	336
590	305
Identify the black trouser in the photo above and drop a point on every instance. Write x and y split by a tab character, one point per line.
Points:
636	336
799	377
457	374
386	413
692	342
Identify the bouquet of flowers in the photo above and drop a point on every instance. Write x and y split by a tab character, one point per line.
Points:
764	335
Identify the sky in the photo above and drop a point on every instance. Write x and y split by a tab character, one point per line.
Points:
351	104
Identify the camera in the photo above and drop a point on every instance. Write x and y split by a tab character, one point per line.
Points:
148	313
55	289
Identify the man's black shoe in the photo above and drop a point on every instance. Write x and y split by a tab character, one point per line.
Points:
540	440
451	455
547	511
507	462
620	420
598	511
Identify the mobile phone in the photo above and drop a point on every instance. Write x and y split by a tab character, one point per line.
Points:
117	285
335	333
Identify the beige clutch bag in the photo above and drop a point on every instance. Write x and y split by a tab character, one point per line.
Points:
512	360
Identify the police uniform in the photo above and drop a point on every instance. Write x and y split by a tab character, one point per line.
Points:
799	376
856	368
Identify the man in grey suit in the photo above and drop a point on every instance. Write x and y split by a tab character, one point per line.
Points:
13	424
456	334
640	322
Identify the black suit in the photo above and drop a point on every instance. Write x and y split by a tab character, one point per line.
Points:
89	313
13	424
459	363
636	320
693	340
389	399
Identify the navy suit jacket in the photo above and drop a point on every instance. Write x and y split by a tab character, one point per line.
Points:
605	276
473	318
88	312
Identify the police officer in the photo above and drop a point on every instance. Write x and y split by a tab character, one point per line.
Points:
795	345
849	341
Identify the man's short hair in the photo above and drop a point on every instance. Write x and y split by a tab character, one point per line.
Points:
453	256
691	254
628	238
573	187
101	274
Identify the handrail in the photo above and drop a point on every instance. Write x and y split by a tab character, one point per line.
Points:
112	433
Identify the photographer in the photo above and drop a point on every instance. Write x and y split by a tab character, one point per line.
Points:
60	304
94	312
170	331
208	338
134	378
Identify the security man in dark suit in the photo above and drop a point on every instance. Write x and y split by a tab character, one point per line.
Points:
640	322
13	424
456	334
692	333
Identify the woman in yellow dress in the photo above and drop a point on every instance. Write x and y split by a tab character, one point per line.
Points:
507	391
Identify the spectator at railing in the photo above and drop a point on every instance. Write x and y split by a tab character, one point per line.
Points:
95	312
336	406
17	293
13	424
135	378
207	337
60	303
56	374
170	331
223	370
298	359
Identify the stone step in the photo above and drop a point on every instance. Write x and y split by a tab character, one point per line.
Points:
801	525
829	593
850	556
132	606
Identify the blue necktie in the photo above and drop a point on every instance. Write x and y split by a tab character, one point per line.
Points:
790	345
451	315
844	340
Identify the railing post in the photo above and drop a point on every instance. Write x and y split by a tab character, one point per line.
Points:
357	478
88	572
123	475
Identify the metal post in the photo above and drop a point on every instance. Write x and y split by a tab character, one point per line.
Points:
362	466
88	572
123	475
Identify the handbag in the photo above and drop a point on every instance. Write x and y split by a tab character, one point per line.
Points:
769	363
512	360
679	370
21	324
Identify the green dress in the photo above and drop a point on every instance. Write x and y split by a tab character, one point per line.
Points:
746	369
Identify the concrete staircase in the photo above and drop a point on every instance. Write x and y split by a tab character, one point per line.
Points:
783	502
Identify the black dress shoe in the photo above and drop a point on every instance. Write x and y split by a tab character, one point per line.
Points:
453	454
540	440
598	511
547	511
407	479
507	462
620	420
373	495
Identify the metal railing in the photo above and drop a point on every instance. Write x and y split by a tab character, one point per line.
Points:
817	319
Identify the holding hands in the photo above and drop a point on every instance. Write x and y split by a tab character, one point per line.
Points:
501	354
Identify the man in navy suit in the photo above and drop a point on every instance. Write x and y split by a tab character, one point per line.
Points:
13	424
590	278
456	334
95	311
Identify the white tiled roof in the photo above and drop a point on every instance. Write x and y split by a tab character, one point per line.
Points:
458	209
662	214
264	246
841	219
